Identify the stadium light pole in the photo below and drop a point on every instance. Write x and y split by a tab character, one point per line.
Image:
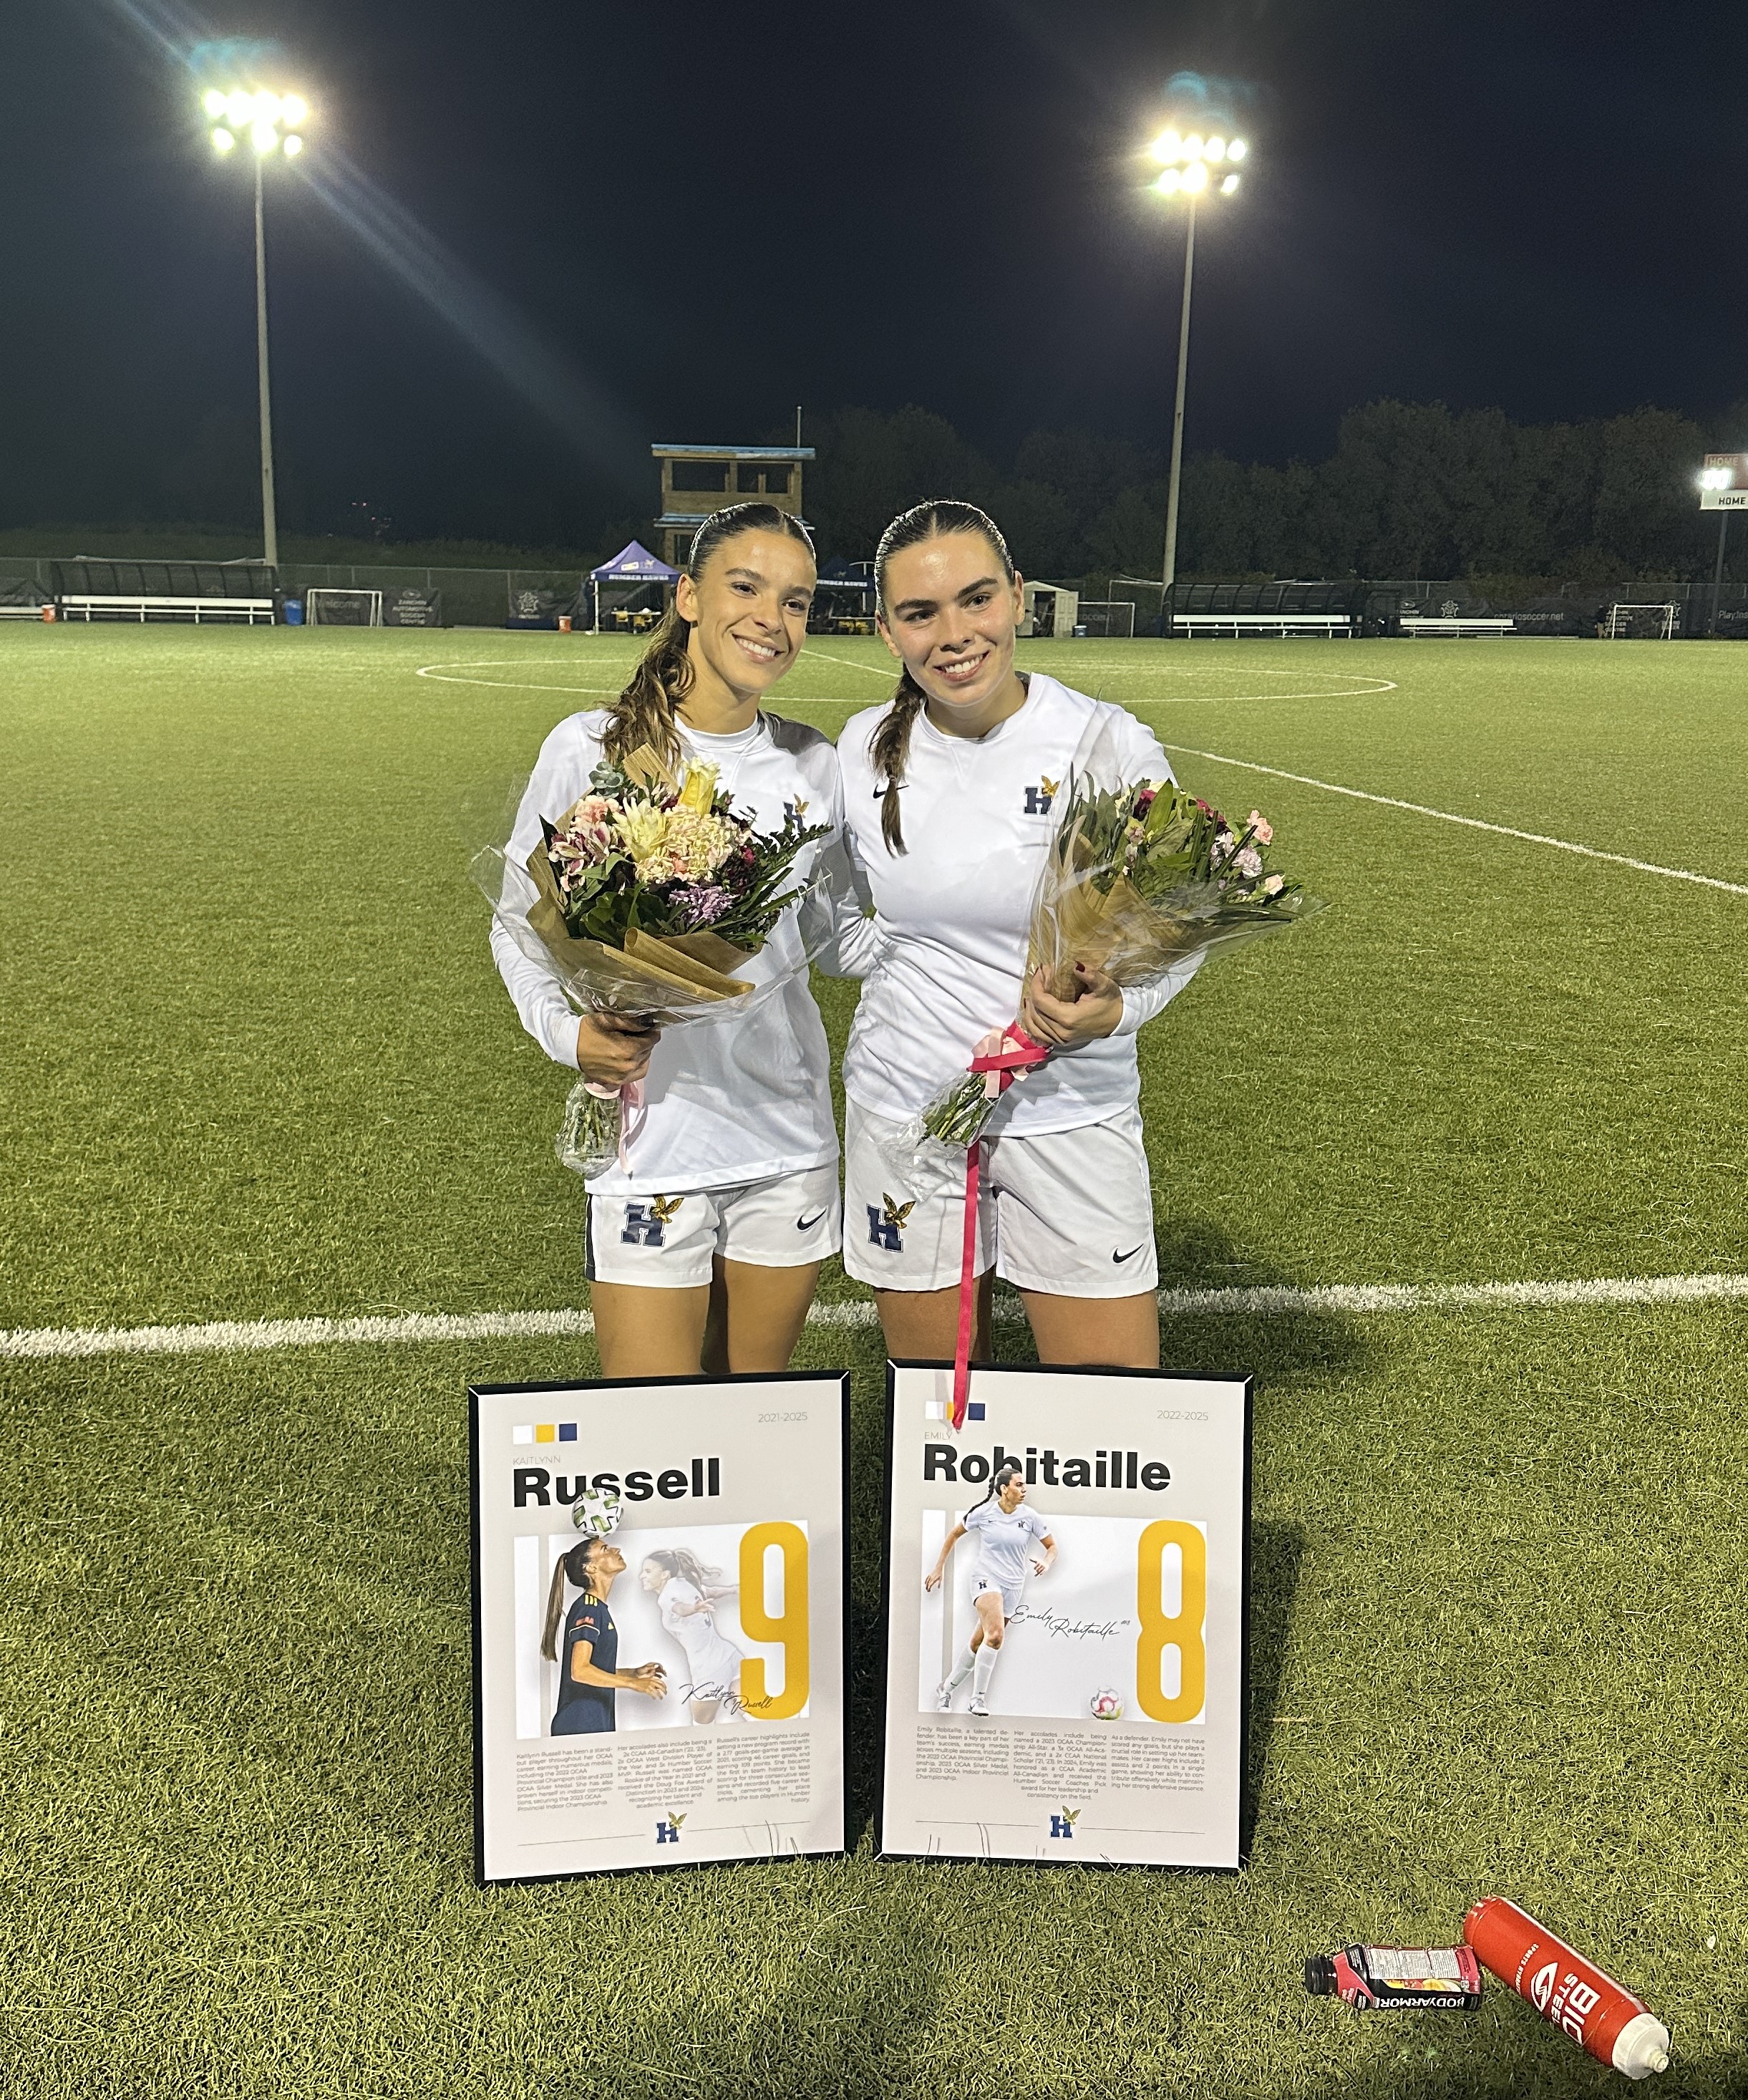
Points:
272	124
1197	166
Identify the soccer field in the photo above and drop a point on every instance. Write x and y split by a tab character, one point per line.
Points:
259	1068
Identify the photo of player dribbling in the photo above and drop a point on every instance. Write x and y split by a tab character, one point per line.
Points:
686	1592
1010	1539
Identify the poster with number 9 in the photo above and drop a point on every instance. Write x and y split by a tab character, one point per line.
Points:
658	1588
1067	1605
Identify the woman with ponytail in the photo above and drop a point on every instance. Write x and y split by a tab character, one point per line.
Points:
704	1241
949	791
1010	1538
589	1677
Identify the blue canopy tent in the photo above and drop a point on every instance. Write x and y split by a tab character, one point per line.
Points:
633	566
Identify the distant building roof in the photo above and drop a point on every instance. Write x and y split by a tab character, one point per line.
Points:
732	451
691	520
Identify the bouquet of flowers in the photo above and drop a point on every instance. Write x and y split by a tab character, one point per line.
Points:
1140	879
649	898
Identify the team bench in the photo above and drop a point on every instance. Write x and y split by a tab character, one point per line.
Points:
235	592
1279	609
1456	624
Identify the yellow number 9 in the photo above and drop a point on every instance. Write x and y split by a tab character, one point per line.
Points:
790	1627
1182	1630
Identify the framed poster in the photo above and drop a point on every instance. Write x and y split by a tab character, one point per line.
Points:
658	1605
1067	1605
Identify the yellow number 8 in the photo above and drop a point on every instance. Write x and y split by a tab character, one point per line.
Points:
790	1627
1182	1631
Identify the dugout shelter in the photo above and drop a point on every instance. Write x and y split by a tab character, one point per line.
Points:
245	593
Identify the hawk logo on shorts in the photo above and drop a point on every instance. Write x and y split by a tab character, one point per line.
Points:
885	1224
1039	799
646	1223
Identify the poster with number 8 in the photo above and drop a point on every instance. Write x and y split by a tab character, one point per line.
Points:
1067	1606
658	1593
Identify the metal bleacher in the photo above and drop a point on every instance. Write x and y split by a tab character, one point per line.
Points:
1327	610
236	593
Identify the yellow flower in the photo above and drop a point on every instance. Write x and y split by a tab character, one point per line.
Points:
644	828
700	788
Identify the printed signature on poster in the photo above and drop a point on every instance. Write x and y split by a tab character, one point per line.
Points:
1060	1626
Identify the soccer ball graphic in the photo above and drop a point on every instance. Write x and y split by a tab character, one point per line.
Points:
1105	1705
597	1510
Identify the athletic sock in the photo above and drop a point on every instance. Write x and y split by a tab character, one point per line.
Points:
986	1659
962	1670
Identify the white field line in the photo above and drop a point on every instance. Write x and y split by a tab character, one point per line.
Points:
1474	823
222	1337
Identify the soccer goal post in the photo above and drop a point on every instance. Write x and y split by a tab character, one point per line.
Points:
1109	619
330	607
1641	623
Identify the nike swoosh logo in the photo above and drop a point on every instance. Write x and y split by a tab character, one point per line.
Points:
807	1224
878	793
1129	1256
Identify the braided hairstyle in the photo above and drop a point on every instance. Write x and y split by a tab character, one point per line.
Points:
644	712
1010	1469
889	747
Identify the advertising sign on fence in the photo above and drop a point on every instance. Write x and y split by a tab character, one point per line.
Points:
658	1604
1067	1606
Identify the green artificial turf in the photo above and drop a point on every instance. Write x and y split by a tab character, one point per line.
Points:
258	1064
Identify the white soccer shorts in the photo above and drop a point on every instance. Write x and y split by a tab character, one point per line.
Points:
1068	1211
669	1242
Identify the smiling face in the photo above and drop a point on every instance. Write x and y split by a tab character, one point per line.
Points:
948	613
652	1576
747	609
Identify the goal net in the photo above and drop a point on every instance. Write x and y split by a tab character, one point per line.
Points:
1112	618
326	607
1641	623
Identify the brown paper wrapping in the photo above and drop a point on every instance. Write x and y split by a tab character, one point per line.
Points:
697	963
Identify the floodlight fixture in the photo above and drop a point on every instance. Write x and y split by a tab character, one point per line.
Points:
1236	149
214	102
1192	147
294	147
1214	149
1168	148
293	109
1227	185
1169	183
239	107
223	140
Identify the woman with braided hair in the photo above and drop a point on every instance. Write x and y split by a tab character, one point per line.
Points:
1010	1539
949	791
703	1242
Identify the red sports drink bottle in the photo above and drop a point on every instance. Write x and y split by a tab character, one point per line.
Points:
1616	2028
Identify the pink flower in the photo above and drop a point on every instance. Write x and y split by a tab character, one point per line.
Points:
1275	885
1260	830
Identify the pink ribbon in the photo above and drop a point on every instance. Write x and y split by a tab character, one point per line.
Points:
1003	1056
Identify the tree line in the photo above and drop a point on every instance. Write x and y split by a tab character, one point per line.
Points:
1412	489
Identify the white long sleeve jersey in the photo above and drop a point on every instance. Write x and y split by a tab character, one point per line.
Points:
749	1096
954	910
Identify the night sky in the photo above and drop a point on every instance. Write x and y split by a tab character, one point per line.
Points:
676	222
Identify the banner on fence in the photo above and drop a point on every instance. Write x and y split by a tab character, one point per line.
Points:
1067	1606
659	1602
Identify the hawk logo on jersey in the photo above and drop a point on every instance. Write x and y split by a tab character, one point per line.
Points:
646	1223
796	809
1063	1825
887	1222
668	1832
1039	799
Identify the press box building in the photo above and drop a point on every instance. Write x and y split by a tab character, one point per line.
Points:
697	480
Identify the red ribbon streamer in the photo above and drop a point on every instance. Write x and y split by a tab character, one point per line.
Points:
1008	1054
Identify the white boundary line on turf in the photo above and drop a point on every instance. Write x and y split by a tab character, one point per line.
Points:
1474	823
222	1337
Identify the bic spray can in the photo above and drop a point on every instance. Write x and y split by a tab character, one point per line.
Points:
1616	2028
1368	1978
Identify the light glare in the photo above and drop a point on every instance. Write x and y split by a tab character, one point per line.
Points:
1192	147
213	102
223	140
1236	150
264	138
1195	176
1214	150
1168	148
1715	477
294	147
1169	183
294	109
1226	186
267	107
239	108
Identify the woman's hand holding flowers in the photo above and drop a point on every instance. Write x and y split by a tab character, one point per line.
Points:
1065	1023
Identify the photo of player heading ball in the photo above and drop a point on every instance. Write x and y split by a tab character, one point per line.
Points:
1067	1603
